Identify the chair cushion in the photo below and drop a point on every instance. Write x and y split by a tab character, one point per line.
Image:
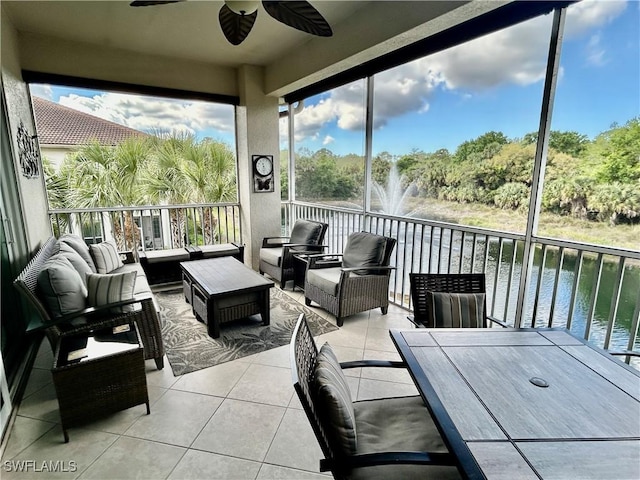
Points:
104	289
169	255
398	425
106	256
130	267
306	232
221	250
456	310
272	256
63	290
326	279
364	250
334	400
81	247
79	263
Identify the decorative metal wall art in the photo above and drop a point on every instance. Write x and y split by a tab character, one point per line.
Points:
28	152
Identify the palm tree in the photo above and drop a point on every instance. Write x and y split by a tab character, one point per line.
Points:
170	170
57	193
104	176
187	171
210	171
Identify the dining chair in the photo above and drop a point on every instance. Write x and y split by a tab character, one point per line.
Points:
276	254
450	300
354	281
379	438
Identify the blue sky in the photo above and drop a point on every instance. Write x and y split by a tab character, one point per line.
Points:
493	83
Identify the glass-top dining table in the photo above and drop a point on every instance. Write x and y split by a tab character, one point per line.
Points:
527	403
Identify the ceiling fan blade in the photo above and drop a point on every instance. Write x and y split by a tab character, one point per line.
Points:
235	26
300	15
151	3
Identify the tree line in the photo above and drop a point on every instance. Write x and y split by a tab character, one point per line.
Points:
595	179
145	170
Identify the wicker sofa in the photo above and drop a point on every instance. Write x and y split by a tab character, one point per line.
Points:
112	292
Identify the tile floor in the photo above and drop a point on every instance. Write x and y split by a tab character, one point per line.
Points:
237	420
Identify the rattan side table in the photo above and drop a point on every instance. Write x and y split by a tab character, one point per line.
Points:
98	373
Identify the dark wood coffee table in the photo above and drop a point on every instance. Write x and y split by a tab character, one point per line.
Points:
224	289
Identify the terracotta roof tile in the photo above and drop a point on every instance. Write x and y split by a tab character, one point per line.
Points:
59	125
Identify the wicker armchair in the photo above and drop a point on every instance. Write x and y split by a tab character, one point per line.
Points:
276	254
354	281
396	437
449	300
145	316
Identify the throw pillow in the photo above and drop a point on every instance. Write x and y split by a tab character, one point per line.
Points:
78	244
106	256
62	288
305	232
81	266
334	398
104	289
456	310
364	250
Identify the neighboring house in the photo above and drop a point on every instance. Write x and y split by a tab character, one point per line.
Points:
61	130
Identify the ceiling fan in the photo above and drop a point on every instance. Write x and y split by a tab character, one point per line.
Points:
237	17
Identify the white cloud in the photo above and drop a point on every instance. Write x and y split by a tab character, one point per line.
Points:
514	56
595	51
328	140
589	14
42	91
151	114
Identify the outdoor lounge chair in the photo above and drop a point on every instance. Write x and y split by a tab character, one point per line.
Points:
354	281
379	438
276	254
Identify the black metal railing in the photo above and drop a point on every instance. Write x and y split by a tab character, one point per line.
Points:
593	291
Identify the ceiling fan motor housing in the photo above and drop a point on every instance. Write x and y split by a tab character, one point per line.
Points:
241	7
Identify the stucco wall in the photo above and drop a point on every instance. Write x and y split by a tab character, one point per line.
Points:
257	123
18	104
257	126
51	55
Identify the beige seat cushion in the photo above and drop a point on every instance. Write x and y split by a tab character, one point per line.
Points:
222	250
398	424
326	279
131	267
170	255
272	256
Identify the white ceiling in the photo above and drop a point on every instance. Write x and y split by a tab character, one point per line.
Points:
189	30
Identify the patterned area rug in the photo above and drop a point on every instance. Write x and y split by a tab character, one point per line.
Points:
189	348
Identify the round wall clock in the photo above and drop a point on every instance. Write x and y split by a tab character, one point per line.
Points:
262	173
264	165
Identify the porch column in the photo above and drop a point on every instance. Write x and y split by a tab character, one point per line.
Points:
257	134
